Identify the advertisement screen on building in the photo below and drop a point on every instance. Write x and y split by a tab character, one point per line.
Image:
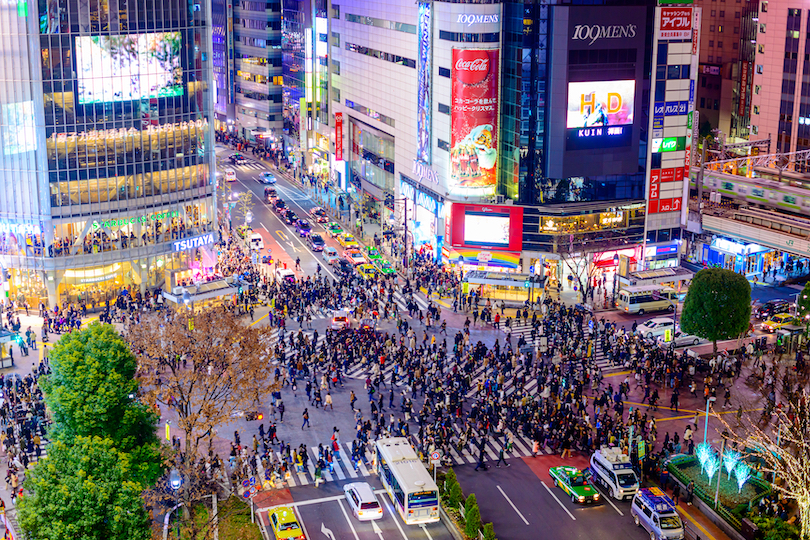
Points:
474	123
600	113
19	132
423	101
133	66
486	226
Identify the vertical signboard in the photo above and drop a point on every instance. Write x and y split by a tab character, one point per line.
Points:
474	122
676	23
424	105
338	136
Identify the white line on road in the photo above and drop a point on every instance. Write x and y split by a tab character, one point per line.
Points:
393	515
512	505
607	497
264	227
567	511
346	515
426	531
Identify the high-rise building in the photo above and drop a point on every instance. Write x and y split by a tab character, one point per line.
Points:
247	68
106	167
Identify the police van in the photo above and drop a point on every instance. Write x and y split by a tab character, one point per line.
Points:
655	511
613	471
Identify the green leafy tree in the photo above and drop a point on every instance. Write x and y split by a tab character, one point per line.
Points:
489	531
91	391
472	517
83	490
803	304
717	306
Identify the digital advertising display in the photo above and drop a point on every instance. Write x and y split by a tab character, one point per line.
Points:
486	229
18	126
133	66
474	123
423	101
498	227
600	113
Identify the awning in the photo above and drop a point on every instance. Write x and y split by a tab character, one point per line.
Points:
607	263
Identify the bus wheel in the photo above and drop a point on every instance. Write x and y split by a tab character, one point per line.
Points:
671	309
641	312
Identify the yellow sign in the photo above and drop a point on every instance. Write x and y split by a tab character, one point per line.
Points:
168	433
668	335
190	324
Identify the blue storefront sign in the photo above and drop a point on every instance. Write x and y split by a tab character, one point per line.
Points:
194	242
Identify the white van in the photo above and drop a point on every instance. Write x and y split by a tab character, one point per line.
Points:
656	327
256	242
653	510
230	175
613	471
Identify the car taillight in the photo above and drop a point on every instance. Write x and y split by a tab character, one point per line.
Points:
435	508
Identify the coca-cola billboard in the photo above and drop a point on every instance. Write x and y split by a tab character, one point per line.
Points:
474	122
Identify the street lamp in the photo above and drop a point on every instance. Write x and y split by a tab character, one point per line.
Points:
709	401
175	482
615	277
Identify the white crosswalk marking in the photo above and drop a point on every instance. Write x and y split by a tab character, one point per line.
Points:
346	461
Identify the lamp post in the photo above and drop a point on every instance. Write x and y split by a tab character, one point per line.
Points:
176	482
615	277
706	421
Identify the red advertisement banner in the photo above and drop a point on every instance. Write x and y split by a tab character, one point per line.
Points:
474	122
667	175
655	187
339	136
676	23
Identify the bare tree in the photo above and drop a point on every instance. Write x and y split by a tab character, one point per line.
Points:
244	205
778	436
582	269
207	367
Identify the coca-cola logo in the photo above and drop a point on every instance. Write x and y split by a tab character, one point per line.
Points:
472	67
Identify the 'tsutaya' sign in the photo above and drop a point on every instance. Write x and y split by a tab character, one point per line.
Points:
194	242
159	216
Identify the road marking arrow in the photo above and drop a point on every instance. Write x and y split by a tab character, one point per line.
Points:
282	235
377	530
327	532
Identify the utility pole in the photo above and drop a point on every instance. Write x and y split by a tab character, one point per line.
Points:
406	233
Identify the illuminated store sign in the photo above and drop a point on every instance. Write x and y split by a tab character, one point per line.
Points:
593	32
668	144
19	228
470	19
424	172
160	216
195	242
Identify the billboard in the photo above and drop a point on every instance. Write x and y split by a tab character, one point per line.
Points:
600	113
338	136
487	226
20	132
423	97
474	123
676	23
133	66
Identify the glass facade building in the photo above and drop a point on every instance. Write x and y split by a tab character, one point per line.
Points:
108	155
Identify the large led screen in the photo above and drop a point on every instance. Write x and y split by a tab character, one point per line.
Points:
133	66
486	229
600	114
17	124
602	103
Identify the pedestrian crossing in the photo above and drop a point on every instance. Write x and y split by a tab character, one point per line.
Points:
342	467
251	166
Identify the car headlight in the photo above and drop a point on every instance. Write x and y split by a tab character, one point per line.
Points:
596	497
582	499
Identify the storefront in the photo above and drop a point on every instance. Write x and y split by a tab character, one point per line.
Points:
514	288
424	214
466	260
738	256
483	237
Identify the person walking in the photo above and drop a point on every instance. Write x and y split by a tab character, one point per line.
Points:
306	419
480	464
328	402
501	458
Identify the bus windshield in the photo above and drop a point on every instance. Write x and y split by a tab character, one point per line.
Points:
423	498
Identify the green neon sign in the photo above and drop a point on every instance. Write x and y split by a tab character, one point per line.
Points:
668	144
160	216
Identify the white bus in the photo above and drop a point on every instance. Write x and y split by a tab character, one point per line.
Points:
647	298
406	480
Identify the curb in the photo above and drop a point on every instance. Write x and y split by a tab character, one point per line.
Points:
445	519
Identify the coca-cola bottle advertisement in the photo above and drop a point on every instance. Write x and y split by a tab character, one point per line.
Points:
474	122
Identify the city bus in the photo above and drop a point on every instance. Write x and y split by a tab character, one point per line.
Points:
410	486
647	298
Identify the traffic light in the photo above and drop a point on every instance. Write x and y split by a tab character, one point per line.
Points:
254	415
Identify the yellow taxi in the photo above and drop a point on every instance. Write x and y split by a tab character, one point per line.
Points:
778	321
367	271
347	240
284	524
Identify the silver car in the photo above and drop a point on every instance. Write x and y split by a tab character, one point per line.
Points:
680	339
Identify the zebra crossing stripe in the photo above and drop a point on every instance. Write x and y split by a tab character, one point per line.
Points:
360	465
347	462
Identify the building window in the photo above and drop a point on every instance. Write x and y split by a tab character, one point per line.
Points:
381	23
702	103
761	48
470	38
759	69
722	13
761	28
736	29
335	39
719	59
716	105
444	72
757	88
711	28
444	145
335	68
736	14
711	59
335	11
756	109
444	109
714	14
336	94
370	113
719	44
711	43
764	7
374	53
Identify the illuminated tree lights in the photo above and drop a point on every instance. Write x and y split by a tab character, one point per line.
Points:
730	461
712	466
704	451
742	472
